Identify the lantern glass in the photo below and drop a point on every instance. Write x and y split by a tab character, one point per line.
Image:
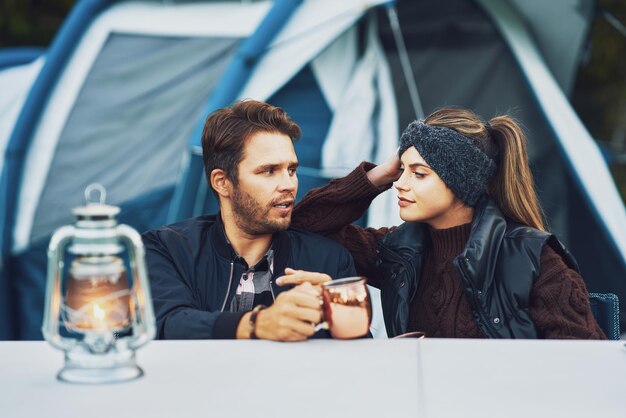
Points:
98	294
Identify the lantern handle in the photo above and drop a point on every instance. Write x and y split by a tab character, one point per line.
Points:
144	313
95	187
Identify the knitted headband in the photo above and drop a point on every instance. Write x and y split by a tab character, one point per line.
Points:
462	166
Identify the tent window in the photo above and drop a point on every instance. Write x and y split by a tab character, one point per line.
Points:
132	120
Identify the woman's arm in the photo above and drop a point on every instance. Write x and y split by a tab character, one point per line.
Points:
330	210
559	303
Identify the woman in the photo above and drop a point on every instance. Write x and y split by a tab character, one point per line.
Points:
473	258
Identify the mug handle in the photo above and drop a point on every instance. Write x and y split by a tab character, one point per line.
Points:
324	324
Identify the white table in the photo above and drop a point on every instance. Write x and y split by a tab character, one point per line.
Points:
532	379
365	378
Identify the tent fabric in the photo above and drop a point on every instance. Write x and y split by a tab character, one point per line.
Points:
334	65
15	82
559	28
138	113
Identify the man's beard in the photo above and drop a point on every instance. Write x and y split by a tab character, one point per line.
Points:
254	219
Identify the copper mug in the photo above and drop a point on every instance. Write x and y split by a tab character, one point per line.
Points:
347	308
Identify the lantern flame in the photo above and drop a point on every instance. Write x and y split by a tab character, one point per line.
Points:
98	312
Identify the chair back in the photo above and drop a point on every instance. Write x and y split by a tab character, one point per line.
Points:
605	308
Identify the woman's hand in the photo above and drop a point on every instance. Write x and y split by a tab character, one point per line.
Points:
385	173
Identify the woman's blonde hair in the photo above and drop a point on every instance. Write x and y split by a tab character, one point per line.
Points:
512	186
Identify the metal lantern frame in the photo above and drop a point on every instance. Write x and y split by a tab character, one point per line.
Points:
102	355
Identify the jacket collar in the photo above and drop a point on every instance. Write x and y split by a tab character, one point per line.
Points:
411	239
478	258
281	245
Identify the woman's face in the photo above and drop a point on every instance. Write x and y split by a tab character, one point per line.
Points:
424	197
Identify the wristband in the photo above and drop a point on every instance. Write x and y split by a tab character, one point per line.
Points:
252	323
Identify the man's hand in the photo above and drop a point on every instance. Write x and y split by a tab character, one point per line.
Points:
292	317
297	277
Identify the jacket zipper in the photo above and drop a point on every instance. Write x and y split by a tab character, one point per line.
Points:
395	258
272	290
230	282
477	302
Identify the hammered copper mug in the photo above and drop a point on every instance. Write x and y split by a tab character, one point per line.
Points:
347	308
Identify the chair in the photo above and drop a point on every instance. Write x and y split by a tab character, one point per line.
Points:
605	308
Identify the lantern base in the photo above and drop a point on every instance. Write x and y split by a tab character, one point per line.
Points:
82	366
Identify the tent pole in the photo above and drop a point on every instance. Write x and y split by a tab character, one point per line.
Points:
403	54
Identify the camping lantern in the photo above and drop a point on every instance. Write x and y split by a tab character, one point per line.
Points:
106	314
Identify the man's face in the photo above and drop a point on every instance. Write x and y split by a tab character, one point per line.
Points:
263	200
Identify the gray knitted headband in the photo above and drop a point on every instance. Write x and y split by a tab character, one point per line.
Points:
464	168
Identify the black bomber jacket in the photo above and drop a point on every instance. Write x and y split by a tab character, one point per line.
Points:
190	268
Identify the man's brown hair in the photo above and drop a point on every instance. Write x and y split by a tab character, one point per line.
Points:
226	131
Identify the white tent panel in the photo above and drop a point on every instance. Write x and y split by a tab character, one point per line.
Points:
226	19
364	125
351	136
313	26
384	210
334	66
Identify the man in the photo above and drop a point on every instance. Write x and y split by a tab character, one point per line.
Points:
214	276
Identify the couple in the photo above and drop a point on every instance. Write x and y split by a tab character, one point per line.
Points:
472	259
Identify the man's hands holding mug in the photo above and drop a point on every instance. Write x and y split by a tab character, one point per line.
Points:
344	306
292	316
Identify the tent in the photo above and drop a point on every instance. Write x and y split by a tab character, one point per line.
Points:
121	94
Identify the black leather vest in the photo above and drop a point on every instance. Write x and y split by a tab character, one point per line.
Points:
497	267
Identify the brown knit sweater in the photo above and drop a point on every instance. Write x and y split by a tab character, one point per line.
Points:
559	303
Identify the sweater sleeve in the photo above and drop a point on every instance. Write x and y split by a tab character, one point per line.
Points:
330	209
559	303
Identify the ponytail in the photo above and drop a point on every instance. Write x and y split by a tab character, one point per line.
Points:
512	187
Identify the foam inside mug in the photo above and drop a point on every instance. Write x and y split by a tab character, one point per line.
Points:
345	280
